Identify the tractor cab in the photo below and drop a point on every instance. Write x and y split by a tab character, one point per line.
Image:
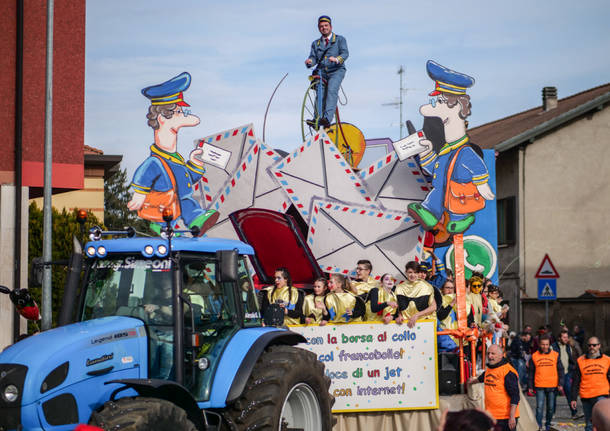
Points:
210	309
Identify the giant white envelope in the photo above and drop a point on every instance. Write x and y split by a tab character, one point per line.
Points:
341	234
237	141
318	170
394	184
250	186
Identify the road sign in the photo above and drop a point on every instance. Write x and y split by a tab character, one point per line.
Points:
547	289
546	269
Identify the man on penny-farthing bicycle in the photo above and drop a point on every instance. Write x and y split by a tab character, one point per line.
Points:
328	54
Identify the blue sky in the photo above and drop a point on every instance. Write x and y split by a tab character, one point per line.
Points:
237	51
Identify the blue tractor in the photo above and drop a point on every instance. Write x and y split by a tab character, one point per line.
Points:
167	336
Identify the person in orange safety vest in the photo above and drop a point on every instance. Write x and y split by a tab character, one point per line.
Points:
545	375
501	389
591	379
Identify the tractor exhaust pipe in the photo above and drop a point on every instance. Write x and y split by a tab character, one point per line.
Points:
72	282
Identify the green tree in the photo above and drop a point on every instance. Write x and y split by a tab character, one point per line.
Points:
116	196
65	227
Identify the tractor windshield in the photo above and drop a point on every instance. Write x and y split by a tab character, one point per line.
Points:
142	288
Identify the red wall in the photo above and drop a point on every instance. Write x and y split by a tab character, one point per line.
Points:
68	91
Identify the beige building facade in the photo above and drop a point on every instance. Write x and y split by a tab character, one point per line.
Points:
566	205
9	322
553	196
98	168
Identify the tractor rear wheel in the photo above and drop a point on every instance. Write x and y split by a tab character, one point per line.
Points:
140	414
287	390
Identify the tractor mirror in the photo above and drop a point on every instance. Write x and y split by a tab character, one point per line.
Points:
4	289
227	260
36	271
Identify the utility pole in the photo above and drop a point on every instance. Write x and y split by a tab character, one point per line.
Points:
48	177
399	103
401	72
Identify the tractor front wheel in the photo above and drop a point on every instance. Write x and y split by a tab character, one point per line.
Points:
141	414
287	390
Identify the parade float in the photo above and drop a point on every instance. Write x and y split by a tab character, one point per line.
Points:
316	211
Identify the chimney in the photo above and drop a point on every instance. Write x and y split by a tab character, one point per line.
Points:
549	98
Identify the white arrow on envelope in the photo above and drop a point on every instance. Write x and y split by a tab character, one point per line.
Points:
340	234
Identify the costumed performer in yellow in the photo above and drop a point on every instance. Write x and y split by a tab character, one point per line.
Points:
415	297
314	309
342	305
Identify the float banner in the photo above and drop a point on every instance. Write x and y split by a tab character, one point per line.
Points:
377	367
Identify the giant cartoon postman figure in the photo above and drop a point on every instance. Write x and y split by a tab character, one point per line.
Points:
459	174
164	179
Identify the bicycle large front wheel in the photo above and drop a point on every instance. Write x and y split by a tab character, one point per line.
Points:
309	111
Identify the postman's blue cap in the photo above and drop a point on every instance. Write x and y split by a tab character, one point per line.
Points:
170	91
447	80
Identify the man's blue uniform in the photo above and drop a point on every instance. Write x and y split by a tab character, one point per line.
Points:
151	175
468	167
332	72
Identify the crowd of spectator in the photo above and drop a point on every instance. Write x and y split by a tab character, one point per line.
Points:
543	364
567	364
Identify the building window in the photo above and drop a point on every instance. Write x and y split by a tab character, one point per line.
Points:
507	221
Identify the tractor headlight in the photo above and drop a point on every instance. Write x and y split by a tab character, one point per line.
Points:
203	363
10	393
162	250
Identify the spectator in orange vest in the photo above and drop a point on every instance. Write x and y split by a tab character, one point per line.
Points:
545	375
591	379
501	389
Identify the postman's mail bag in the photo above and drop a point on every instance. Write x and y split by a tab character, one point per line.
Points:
462	198
156	202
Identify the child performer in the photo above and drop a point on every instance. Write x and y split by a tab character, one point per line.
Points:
384	304
314	309
342	305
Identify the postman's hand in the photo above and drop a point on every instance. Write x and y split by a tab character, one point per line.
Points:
197	152
485	191
136	201
426	144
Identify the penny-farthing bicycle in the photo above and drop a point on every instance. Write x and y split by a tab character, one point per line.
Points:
340	133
